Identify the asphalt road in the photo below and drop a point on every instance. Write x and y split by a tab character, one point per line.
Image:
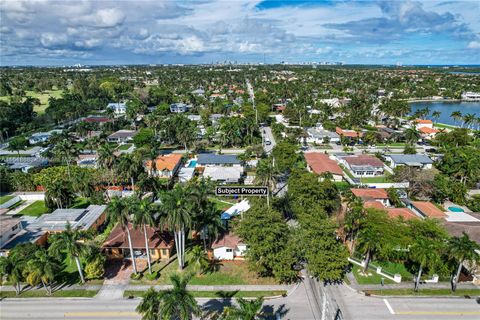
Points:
359	307
299	305
268	135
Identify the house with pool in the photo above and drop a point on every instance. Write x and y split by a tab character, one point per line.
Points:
165	166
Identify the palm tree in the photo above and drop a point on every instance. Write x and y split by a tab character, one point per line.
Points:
266	173
178	302
209	223
462	249
66	152
107	158
129	167
198	258
143	217
12	270
426	253
412	135
72	242
456	115
121	210
149	307
436	115
42	268
246	310
468	119
177	212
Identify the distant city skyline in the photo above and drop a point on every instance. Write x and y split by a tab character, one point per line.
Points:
209	31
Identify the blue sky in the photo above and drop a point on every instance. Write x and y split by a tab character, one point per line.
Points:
45	32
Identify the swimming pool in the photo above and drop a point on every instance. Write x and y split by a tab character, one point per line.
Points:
192	163
455	209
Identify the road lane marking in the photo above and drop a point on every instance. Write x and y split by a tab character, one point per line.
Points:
100	314
439	313
389	306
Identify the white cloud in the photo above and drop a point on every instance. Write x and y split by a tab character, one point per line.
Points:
50	39
103	18
474	45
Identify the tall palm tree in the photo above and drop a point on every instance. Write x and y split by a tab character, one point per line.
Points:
72	242
149	307
107	158
412	135
129	167
120	210
436	115
456	115
143	217
177	213
266	173
209	223
468	119
425	252
178	302
246	310
462	249
66	152
12	270
43	268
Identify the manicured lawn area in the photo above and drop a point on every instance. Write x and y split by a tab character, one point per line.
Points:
425	292
4	199
229	273
372	278
222	204
395	267
395	144
342	185
380	179
56	294
444	126
219	294
36	209
125	146
43	97
81	203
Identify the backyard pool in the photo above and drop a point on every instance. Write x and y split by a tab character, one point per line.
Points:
455	209
192	163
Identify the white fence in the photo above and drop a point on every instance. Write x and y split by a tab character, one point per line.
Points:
31	196
396	277
10	202
386	185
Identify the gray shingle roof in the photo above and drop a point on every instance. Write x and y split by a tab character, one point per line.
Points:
211	158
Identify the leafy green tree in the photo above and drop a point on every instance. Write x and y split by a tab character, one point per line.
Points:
149	307
462	249
377	235
144	137
286	156
17	144
70	241
426	253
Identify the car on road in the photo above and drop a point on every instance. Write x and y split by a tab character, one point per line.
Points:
268	142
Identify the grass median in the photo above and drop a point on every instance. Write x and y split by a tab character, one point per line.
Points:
424	292
43	294
218	294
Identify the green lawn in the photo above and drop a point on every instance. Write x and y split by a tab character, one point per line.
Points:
43	97
379	179
219	294
36	209
221	204
81	203
229	273
125	146
43	294
395	267
425	292
4	199
444	126
372	278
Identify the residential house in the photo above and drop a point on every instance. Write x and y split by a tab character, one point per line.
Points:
404	213
122	136
97	119
198	92
350	134
160	243
428	133
229	247
420	161
212	159
372	194
24	164
319	135
165	166
363	165
10	226
179	107
320	163
119	108
87	160
426	209
223	174
42	136
423	123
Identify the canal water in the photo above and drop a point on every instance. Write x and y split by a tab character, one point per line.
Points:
446	109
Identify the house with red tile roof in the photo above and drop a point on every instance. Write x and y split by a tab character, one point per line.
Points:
321	163
404	213
348	133
373	204
228	246
160	243
165	166
372	194
426	209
